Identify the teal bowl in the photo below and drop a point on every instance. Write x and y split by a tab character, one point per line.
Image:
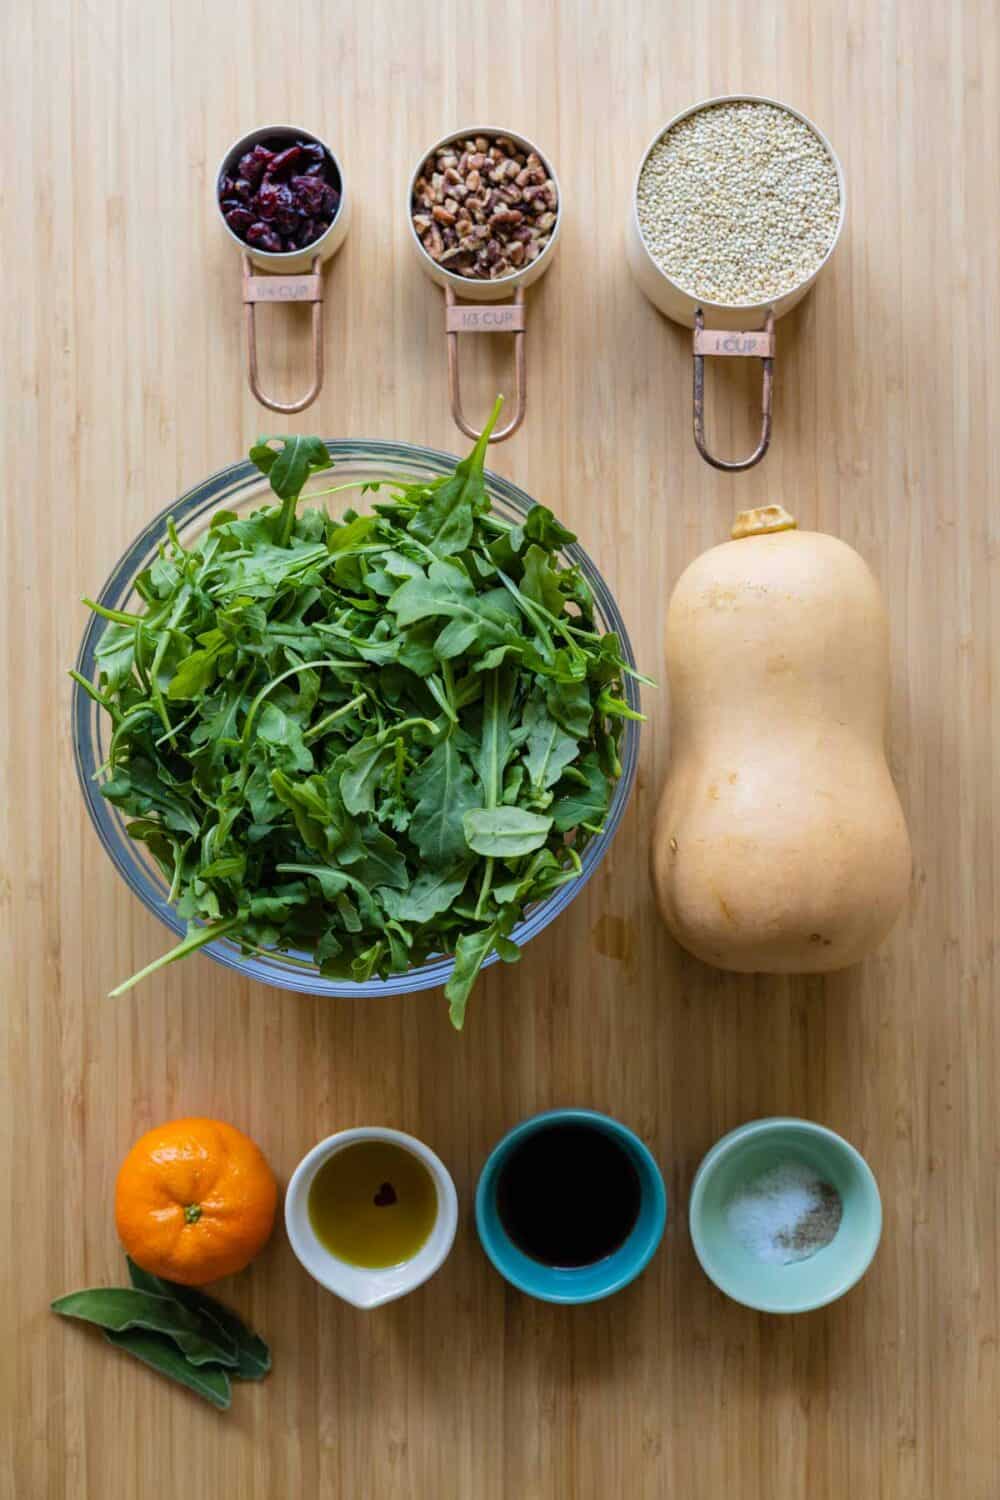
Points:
741	1157
576	1283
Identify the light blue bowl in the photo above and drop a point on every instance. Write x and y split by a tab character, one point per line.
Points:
744	1155
576	1283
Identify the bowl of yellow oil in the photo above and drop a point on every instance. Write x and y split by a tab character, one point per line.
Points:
371	1214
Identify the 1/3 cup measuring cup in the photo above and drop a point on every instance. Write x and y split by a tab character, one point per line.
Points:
740	329
503	316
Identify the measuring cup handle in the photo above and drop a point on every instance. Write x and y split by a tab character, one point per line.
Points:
488	317
307	288
756	345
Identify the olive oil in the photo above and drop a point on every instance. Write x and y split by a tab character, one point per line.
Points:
373	1204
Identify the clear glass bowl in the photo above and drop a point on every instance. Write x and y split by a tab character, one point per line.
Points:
241	488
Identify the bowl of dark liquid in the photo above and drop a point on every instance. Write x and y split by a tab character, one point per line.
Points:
570	1206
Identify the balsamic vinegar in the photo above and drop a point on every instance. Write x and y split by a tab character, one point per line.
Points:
568	1195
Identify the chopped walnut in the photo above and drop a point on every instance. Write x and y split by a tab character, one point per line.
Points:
484	207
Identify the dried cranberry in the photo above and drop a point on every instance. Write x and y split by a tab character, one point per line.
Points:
309	193
239	220
284	196
281	206
313	153
284	163
267	200
253	164
264	238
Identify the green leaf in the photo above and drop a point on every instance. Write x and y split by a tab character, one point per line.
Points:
364	765
119	1308
505	832
433	892
541	526
282	734
289	466
333	883
446	520
309	804
497	742
548	748
471	952
582	803
196	938
570	704
444	791
383	864
541	581
196	672
252	1354
449	591
542	867
207	1381
509	952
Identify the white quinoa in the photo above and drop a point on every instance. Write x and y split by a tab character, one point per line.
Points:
739	203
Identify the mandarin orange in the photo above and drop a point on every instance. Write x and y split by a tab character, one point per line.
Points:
195	1201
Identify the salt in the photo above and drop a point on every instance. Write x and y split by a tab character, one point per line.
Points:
785	1215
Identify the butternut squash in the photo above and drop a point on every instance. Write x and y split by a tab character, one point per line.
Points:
780	844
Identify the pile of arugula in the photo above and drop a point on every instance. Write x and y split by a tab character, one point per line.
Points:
368	738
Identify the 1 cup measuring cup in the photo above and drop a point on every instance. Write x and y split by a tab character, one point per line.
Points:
673	199
484	211
282	198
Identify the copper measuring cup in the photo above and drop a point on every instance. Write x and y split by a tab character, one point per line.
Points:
504	316
298	275
744	331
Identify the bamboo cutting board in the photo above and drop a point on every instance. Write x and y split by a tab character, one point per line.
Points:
124	384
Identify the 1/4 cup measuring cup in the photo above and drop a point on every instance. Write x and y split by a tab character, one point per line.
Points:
296	274
503	316
739	330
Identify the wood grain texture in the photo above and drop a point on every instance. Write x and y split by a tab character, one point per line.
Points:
124	383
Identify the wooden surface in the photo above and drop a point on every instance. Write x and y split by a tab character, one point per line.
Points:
124	384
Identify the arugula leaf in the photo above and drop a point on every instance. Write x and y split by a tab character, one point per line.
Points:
505	832
446	523
541	526
433	892
497	739
541	580
471	952
548	748
571	705
448	590
586	798
289	466
444	790
364	764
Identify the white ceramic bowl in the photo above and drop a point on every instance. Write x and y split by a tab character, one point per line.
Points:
467	286
357	1284
677	301
288	262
